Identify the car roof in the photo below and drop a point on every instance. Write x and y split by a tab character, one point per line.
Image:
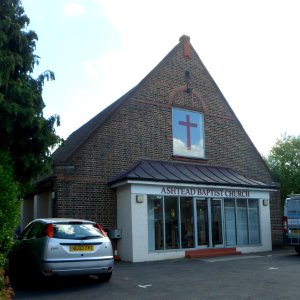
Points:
62	220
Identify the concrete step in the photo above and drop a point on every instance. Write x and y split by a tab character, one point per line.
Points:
211	252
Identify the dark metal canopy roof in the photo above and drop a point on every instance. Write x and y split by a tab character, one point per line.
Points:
175	172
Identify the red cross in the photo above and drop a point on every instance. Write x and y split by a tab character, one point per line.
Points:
188	125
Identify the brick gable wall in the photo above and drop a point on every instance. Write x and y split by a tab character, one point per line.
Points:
142	128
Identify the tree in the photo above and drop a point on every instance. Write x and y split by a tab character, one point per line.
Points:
26	137
24	131
9	205
9	216
284	163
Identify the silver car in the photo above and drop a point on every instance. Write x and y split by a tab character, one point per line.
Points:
61	247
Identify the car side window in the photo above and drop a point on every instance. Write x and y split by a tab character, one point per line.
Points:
35	231
26	232
39	229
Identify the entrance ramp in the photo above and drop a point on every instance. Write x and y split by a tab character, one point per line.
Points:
211	252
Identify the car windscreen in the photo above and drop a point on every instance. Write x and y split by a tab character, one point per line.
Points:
76	231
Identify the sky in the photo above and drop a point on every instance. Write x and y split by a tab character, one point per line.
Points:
100	49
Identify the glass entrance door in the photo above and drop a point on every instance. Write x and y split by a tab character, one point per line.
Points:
216	222
209	222
202	222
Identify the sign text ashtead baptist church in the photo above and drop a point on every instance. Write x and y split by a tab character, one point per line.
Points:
205	192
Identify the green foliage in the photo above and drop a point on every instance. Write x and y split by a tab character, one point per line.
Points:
26	137
284	163
9	206
24	131
9	217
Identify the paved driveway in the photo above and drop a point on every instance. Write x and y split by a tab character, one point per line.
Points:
272	275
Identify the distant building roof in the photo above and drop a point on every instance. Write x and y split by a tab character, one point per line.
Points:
187	173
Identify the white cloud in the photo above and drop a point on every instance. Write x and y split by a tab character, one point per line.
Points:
74	9
91	67
111	69
180	148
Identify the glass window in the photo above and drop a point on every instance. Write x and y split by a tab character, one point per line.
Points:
216	221
155	223
76	231
188	133
26	233
230	230
242	222
202	222
33	231
187	222
254	236
171	222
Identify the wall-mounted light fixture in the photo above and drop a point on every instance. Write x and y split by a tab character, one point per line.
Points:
139	198
265	202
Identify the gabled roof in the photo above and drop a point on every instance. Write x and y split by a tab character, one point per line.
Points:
186	173
78	137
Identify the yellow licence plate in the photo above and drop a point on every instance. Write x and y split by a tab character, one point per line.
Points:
296	231
81	248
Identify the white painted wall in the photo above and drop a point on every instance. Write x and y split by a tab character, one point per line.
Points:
133	221
26	212
139	227
124	222
42	205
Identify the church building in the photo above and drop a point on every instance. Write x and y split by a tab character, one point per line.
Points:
167	170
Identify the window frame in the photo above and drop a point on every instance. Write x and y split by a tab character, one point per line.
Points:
225	237
176	148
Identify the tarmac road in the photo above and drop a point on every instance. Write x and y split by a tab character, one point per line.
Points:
271	275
